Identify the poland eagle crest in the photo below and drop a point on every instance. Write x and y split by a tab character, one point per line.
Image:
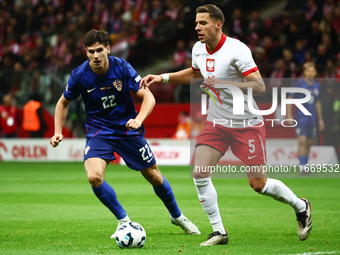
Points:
210	65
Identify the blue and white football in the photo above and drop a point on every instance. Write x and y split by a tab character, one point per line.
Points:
130	235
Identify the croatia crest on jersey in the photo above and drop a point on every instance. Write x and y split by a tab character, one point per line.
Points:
210	65
118	84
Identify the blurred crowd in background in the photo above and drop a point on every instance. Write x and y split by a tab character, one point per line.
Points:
41	41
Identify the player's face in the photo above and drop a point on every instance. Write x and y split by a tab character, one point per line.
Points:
97	54
310	73
7	100
206	28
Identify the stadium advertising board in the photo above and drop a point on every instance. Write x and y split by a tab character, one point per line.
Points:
165	154
40	150
73	150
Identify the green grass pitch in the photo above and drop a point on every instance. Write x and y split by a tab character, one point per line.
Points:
49	208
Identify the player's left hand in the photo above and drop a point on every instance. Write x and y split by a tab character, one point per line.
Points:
321	125
150	79
133	124
56	139
210	82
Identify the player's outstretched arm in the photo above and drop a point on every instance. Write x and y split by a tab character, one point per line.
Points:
181	77
148	102
59	120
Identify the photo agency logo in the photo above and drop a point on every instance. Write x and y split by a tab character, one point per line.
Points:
238	103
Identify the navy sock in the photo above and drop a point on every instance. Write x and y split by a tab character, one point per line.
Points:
164	192
303	159
108	197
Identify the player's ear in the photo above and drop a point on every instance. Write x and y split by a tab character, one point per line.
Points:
218	24
108	49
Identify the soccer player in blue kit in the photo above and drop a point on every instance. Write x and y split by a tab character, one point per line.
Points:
113	125
306	124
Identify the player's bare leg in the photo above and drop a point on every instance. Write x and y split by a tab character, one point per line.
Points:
207	156
302	146
310	143
280	192
153	175
95	169
163	190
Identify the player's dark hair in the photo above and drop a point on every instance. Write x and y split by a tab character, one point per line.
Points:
94	36
215	13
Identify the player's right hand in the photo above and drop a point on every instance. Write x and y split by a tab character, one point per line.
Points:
149	79
56	139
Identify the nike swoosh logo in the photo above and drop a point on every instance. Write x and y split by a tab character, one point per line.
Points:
252	157
202	201
150	160
90	90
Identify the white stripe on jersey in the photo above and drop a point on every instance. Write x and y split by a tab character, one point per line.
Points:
264	154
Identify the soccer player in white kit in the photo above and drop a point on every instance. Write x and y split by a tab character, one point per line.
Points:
223	60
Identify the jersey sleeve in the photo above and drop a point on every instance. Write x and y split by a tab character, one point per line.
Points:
71	91
131	77
244	60
194	65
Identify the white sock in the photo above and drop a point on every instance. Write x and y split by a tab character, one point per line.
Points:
280	192
126	219
208	197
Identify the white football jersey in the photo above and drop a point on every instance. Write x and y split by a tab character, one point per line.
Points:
230	61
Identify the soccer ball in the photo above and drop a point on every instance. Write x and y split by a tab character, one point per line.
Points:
130	235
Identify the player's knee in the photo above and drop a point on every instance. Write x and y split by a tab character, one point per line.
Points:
257	185
200	174
95	180
302	141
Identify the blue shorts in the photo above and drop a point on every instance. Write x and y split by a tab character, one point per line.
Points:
136	153
304	129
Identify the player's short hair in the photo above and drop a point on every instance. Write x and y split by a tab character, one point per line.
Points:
307	65
215	13
94	36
